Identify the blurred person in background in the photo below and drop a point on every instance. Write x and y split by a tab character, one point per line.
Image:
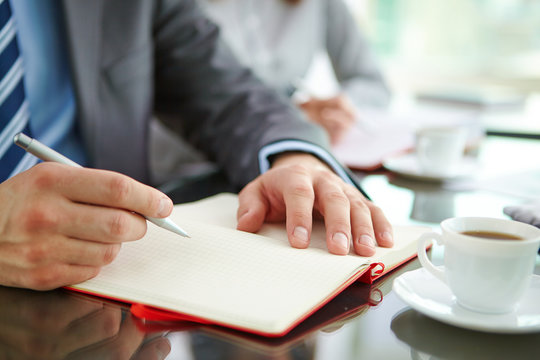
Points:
279	39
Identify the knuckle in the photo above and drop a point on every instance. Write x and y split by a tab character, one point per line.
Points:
358	204
299	169
40	217
363	229
300	216
153	203
119	225
303	190
120	188
45	175
341	224
34	254
110	253
336	196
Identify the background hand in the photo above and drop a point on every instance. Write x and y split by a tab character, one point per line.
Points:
60	224
336	115
299	186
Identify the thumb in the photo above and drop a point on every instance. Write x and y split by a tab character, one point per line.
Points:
252	208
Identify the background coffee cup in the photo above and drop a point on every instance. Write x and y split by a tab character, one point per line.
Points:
439	150
485	275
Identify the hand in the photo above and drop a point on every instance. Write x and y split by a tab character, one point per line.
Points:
299	186
528	213
59	224
60	325
336	115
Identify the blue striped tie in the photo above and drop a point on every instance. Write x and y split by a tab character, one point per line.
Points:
14	113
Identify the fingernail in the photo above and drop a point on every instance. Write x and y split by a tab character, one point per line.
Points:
240	216
341	240
301	234
367	241
387	236
165	205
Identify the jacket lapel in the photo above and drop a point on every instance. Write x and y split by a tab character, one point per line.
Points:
83	26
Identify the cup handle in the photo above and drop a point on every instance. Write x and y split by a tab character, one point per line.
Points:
422	254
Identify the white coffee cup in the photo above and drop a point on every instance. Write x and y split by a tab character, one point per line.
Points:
485	275
439	150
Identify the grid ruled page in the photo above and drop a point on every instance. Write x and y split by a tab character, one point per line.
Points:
224	275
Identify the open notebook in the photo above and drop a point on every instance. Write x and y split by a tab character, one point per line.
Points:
251	282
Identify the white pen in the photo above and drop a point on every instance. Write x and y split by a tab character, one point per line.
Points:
45	153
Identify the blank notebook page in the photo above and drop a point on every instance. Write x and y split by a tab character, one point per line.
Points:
225	275
231	277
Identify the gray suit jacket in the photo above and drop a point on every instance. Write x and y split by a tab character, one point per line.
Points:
133	59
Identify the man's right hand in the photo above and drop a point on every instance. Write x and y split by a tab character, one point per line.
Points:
59	224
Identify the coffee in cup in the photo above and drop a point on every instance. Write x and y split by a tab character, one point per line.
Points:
488	262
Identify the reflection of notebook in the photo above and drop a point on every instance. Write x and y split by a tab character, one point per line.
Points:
251	282
347	306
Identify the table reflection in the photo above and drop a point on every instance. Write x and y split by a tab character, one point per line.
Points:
215	342
431	202
62	325
65	325
430	339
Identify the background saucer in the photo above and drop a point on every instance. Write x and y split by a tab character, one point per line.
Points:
407	166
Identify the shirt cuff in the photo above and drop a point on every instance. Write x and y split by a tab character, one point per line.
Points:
295	145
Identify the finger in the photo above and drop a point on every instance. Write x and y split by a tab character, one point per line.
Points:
345	105
155	349
95	327
100	223
122	346
333	125
337	117
334	207
383	229
299	198
52	277
60	250
56	311
106	188
252	208
361	223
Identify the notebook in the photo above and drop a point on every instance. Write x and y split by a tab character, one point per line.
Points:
251	282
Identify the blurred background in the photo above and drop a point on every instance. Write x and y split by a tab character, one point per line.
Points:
483	43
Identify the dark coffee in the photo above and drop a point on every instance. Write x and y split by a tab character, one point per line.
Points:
492	235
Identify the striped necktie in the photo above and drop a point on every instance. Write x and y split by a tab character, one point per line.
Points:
14	112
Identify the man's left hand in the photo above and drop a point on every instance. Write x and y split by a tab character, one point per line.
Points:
300	186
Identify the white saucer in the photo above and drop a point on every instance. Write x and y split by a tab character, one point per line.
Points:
426	294
407	165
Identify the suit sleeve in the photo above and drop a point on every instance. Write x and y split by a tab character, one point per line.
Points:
353	61
204	94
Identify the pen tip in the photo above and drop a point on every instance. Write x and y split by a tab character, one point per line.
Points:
175	228
22	140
